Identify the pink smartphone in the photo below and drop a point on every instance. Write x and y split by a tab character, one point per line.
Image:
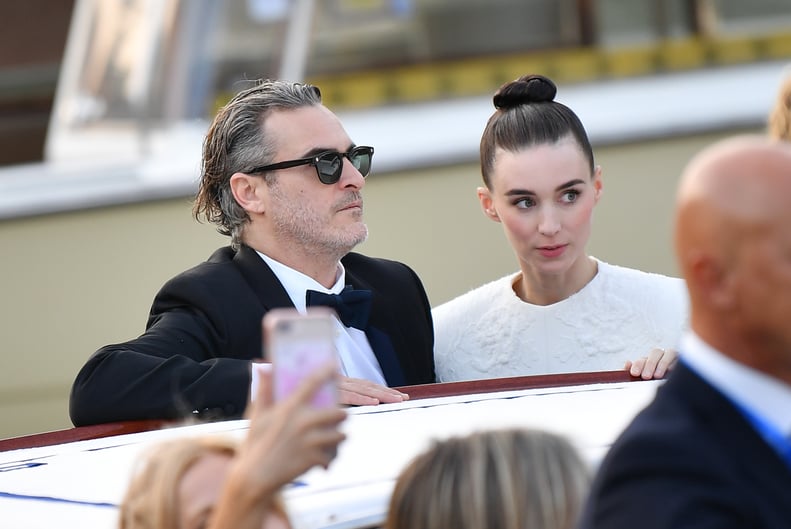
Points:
298	344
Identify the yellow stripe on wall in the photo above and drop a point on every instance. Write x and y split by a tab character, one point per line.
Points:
481	76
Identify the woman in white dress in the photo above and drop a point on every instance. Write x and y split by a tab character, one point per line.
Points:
563	311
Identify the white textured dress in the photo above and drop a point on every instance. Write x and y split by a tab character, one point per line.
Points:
620	315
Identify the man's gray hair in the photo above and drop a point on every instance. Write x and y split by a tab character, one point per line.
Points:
235	143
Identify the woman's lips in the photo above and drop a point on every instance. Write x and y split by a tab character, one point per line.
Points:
553	250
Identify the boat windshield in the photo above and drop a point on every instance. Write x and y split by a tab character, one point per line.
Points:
140	76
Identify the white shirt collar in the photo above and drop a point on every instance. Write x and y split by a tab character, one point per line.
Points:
297	284
356	357
761	394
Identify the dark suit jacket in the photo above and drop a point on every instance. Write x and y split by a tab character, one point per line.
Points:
205	327
690	459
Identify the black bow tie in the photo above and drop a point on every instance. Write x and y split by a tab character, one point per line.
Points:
353	306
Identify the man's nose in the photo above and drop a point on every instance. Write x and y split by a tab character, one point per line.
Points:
350	175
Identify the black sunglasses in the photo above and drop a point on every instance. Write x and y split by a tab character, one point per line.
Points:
328	164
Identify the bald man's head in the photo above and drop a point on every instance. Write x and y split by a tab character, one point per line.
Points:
733	244
738	176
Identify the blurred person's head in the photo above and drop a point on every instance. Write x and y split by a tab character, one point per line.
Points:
541	184
508	479
779	123
281	175
177	484
733	243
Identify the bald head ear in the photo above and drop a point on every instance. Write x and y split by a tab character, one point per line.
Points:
487	204
247	190
706	254
710	280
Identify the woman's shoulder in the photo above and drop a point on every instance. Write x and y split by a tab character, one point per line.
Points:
616	278
468	329
477	299
626	274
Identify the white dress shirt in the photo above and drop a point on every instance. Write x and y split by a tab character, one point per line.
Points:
761	395
356	359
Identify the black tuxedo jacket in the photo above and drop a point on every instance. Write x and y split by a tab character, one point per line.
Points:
690	459
205	327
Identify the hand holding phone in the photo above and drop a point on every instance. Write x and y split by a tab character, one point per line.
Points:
297	345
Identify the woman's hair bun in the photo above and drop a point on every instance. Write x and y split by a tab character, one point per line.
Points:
525	90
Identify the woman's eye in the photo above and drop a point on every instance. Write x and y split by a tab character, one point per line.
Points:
570	196
525	203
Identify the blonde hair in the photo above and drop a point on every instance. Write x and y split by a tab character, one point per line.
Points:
779	124
151	500
509	479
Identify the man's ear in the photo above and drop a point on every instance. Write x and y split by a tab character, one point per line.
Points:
712	279
246	190
487	204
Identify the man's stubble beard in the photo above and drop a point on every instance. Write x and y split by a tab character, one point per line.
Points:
305	227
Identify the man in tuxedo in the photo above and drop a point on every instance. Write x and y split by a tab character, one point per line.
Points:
714	447
281	177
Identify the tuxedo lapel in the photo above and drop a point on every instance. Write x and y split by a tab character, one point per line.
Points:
386	355
270	292
263	282
758	461
381	342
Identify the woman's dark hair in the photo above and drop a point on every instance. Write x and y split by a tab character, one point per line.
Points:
528	115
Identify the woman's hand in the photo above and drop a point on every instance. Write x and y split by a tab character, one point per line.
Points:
655	365
284	440
287	438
